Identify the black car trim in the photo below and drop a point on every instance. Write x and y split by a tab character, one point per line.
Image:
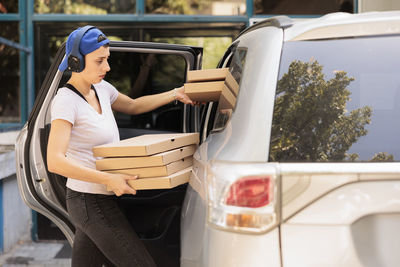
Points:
147	45
281	22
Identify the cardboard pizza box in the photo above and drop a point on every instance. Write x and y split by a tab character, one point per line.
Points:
232	84
204	91
227	99
206	75
158	171
146	145
165	182
159	159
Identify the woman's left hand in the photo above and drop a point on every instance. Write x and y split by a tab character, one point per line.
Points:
182	97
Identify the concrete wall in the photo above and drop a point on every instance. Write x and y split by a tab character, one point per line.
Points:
17	217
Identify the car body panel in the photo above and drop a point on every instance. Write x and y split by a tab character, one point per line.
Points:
354	225
344	25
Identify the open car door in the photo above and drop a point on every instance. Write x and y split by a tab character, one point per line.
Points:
137	69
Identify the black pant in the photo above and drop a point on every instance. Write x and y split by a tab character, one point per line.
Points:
103	234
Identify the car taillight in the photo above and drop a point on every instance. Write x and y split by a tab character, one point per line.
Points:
242	197
251	192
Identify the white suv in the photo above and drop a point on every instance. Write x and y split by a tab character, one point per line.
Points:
303	171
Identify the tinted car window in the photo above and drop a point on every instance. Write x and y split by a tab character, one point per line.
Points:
236	66
338	100
139	74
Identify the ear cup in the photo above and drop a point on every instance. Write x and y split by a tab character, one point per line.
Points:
74	64
76	61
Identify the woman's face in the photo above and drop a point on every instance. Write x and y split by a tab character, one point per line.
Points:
96	65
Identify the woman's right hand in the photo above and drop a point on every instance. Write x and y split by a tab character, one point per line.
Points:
118	184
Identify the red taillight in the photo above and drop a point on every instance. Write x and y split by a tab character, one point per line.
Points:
251	192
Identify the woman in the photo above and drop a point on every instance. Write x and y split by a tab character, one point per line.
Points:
82	118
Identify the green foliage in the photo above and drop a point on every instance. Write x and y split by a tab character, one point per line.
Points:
382	157
88	7
214	47
177	7
310	121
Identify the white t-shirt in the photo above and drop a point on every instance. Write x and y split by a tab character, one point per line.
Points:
89	129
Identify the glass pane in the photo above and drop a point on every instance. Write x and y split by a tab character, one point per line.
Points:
236	66
139	74
338	100
302	7
381	5
86	7
8	6
197	7
9	75
214	47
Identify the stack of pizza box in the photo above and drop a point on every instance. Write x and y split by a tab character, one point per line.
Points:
160	161
212	85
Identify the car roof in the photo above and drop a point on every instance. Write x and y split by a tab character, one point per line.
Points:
342	25
334	25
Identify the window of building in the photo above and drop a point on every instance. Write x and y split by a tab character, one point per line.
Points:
8	6
214	47
92	7
197	7
302	7
9	75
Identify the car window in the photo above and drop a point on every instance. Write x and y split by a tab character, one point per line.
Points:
338	100
138	74
236	64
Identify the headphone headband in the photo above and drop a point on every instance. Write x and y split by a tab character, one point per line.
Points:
75	58
75	48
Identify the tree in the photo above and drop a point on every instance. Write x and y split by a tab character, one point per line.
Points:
382	156
310	121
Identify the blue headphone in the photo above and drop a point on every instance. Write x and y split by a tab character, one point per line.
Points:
76	61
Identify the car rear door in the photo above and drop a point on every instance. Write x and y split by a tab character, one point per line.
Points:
137	69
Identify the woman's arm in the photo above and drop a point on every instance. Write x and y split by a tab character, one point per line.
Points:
58	163
144	104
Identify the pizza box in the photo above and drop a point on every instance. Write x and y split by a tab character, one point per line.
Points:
204	91
232	84
165	182
146	145
227	99
159	159
158	171
206	75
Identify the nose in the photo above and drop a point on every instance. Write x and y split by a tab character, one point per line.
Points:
107	66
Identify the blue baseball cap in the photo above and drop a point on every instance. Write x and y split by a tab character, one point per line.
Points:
92	40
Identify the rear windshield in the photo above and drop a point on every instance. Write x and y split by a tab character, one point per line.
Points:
338	100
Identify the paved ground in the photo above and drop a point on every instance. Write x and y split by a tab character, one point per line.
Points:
38	254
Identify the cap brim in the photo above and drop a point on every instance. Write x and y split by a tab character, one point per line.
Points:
64	64
104	42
